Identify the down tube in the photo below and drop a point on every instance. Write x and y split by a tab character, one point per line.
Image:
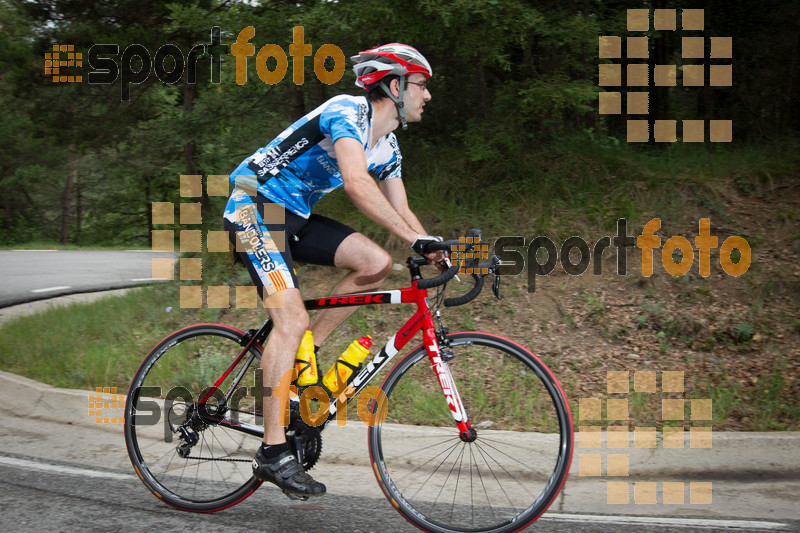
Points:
395	343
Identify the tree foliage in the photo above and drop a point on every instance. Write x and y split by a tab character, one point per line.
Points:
511	77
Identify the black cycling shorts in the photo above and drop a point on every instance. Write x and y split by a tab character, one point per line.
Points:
268	239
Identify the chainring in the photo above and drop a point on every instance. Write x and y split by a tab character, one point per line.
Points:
298	431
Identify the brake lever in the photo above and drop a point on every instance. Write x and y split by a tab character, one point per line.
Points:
496	286
447	262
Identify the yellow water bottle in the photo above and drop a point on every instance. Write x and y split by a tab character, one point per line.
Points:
348	363
306	361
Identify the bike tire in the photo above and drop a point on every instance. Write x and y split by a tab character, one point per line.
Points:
217	474
503	480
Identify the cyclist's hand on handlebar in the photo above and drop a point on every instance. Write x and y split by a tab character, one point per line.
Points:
422	242
420	246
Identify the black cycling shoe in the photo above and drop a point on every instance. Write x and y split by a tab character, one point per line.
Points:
289	475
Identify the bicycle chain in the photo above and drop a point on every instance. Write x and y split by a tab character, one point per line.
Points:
219	459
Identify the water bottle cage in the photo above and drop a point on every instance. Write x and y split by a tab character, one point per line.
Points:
354	368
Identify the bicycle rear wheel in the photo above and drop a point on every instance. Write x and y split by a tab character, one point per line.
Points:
187	460
504	479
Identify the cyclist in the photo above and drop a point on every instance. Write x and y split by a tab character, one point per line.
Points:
270	213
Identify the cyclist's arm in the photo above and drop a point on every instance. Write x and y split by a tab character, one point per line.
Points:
365	193
395	192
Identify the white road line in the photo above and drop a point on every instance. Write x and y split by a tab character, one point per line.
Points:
48	289
32	465
141	279
34	250
703	523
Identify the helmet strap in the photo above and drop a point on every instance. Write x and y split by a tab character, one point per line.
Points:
398	100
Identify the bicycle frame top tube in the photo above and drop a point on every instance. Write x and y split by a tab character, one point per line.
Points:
421	320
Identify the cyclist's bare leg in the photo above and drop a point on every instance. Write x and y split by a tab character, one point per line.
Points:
369	264
290	321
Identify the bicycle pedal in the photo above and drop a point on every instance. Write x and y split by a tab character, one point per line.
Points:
295	496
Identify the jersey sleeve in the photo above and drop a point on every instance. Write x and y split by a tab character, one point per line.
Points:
342	119
391	168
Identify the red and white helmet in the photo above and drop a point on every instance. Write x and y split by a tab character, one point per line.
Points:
395	58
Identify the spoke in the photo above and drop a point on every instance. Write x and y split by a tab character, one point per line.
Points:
485	492
507	473
507	455
422	485
499	483
448	475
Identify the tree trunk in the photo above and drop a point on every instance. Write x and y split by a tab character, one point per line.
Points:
65	205
78	207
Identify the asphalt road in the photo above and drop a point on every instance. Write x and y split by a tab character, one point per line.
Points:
51	495
29	275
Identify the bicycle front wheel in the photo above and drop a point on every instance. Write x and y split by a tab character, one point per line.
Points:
509	474
177	447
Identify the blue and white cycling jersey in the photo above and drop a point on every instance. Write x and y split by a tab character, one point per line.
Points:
299	166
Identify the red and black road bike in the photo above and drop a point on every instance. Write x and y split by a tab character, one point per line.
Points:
476	434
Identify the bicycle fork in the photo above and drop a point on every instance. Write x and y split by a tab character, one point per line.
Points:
439	359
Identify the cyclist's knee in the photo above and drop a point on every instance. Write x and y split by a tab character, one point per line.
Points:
377	266
290	319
